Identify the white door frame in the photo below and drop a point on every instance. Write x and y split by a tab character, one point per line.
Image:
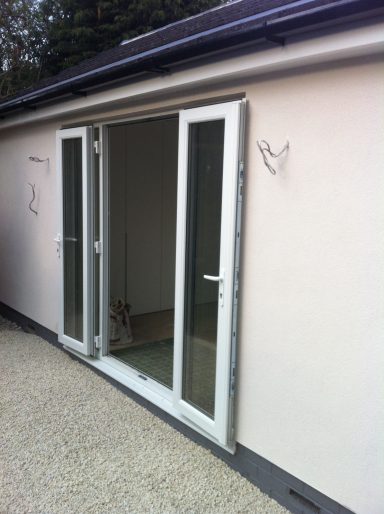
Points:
218	429
231	114
86	346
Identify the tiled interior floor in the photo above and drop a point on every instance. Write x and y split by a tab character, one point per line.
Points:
202	380
151	353
154	359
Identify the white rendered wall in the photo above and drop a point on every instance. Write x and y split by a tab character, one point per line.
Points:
29	265
311	352
311	361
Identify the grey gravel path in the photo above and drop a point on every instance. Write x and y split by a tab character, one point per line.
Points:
71	443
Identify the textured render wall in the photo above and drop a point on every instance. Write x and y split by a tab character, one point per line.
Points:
311	361
29	267
312	289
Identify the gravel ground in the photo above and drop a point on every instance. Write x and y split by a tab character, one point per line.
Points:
71	443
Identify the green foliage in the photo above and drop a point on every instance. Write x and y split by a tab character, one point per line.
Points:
39	38
79	29
20	45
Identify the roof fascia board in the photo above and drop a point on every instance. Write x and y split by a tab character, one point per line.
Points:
353	42
141	61
149	53
179	42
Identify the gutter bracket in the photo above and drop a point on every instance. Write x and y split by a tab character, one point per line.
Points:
273	38
276	39
156	68
79	93
29	107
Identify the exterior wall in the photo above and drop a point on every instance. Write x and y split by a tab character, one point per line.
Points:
312	303
29	267
312	288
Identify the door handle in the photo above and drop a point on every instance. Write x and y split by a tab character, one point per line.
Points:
57	240
71	239
220	280
213	279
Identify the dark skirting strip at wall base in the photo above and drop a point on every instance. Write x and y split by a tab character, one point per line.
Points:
289	491
28	325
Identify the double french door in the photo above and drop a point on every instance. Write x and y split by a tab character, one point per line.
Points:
207	252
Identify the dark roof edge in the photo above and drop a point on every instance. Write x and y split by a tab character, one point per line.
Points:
195	45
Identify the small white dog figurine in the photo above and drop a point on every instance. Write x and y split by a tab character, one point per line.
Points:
119	318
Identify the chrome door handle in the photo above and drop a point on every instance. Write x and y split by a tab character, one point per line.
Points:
220	280
71	239
57	240
214	279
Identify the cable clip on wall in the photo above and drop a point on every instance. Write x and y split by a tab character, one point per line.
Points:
266	149
37	159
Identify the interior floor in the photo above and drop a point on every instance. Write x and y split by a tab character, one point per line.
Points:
142	246
151	351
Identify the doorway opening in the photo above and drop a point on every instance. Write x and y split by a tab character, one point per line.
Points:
143	165
162	260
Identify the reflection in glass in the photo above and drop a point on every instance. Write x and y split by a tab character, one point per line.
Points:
73	238
205	173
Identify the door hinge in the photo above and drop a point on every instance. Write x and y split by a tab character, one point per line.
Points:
236	294
97	147
232	383
97	341
241	181
98	247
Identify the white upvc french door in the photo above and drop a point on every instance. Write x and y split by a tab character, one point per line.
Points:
74	155
206	274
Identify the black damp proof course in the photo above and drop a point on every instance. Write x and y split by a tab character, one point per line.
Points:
291	492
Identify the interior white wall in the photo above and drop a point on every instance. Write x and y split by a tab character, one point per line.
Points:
311	350
29	264
143	171
117	193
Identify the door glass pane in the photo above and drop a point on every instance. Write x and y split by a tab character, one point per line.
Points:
205	174
96	236
73	238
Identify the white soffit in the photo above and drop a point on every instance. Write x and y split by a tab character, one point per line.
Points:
353	42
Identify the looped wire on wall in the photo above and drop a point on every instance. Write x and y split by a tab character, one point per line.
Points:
33	198
265	148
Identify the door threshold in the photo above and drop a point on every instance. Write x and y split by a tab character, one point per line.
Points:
150	390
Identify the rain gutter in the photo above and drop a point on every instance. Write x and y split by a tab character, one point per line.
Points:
218	38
